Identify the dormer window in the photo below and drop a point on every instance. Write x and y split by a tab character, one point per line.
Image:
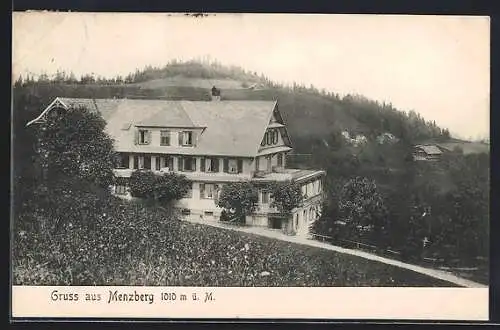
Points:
56	112
165	138
270	138
186	138
144	136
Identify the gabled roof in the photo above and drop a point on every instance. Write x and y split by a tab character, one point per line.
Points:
430	149
230	128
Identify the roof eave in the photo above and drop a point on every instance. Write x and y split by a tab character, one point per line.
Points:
47	109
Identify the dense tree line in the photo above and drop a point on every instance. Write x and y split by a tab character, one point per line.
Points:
374	117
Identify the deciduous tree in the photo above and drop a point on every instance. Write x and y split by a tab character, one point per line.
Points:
286	196
73	143
239	198
362	206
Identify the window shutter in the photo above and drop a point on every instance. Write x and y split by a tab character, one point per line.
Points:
147	162
202	165
240	165
193	139
158	163
136	137
148	136
226	165
180	165
215	164
202	190
170	163
180	138
216	193
193	164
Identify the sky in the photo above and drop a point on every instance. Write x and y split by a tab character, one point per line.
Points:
437	66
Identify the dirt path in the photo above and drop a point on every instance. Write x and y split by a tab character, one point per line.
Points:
439	274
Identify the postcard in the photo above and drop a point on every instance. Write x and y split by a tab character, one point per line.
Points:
250	166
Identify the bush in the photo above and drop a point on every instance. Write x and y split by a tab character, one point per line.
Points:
238	198
286	196
165	187
142	184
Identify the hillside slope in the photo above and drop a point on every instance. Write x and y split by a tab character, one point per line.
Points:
307	111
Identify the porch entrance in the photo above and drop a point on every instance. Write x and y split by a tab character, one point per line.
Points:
274	223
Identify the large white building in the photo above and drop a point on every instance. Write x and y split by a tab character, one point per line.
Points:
211	143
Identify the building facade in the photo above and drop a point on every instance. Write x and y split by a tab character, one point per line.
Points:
212	144
427	153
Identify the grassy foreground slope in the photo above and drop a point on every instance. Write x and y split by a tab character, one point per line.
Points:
98	240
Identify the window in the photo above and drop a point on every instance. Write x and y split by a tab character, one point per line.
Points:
209	213
232	165
140	162
275	136
165	138
136	162
187	164
157	163
210	164
270	138
121	190
144	136
257	164
208	190
186	211
280	159
265	197
269	163
124	161
186	138
166	162
169	162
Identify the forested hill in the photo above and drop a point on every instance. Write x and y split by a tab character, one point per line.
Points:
310	114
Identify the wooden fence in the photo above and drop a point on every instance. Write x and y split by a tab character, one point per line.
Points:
435	262
355	244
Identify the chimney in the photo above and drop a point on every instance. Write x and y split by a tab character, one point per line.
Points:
215	94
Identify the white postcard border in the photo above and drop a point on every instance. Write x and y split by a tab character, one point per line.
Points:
450	304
